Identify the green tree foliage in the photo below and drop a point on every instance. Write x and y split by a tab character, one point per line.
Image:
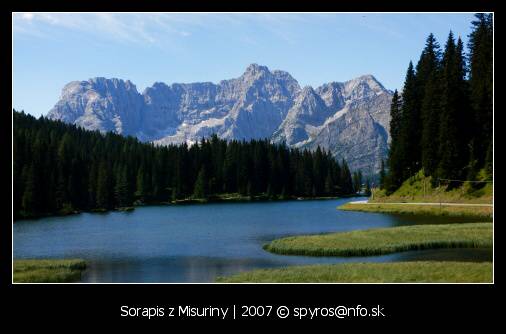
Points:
29	197
481	82
396	155
200	190
357	181
103	195
121	188
444	122
382	175
429	82
60	167
410	135
346	180
454	125
367	188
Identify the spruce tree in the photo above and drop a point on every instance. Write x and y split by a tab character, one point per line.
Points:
382	175
103	186
472	167
429	83
453	144
329	184
28	201
489	157
481	82
367	188
410	129
200	189
121	191
396	153
357	181
346	179
141	185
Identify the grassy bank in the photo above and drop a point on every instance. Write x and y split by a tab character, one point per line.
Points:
395	272
480	213
385	240
48	271
420	188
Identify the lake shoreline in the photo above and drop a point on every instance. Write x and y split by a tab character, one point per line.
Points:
197	243
188	201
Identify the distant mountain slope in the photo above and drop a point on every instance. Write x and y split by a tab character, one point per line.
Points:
350	119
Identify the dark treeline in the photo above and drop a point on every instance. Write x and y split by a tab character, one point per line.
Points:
442	123
60	168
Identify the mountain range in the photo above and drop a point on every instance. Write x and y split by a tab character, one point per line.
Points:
349	119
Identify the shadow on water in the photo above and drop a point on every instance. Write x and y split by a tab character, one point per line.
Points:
197	243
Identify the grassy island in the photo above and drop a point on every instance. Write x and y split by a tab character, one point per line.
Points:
386	240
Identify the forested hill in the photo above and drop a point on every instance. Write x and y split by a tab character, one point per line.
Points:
443	122
60	168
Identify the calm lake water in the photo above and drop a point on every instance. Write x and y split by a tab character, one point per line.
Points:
197	243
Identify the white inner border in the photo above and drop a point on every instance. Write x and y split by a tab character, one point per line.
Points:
232	13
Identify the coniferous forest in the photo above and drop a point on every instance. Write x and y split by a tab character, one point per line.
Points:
60	168
442	121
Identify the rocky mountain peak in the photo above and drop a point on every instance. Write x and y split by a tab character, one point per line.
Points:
254	68
349	119
104	84
365	86
309	98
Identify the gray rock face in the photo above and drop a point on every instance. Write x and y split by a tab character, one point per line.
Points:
352	122
101	104
350	119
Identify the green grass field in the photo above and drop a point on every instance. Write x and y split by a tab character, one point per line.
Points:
478	213
48	271
418	188
394	272
386	240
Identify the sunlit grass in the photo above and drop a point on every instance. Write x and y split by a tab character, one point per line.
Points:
419	188
480	213
394	272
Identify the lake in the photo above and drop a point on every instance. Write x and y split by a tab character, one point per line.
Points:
197	243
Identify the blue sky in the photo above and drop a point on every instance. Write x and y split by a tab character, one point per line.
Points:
52	49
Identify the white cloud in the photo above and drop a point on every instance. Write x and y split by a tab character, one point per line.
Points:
127	27
163	30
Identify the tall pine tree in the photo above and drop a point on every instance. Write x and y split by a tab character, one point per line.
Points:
429	79
453	154
481	82
410	132
395	158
